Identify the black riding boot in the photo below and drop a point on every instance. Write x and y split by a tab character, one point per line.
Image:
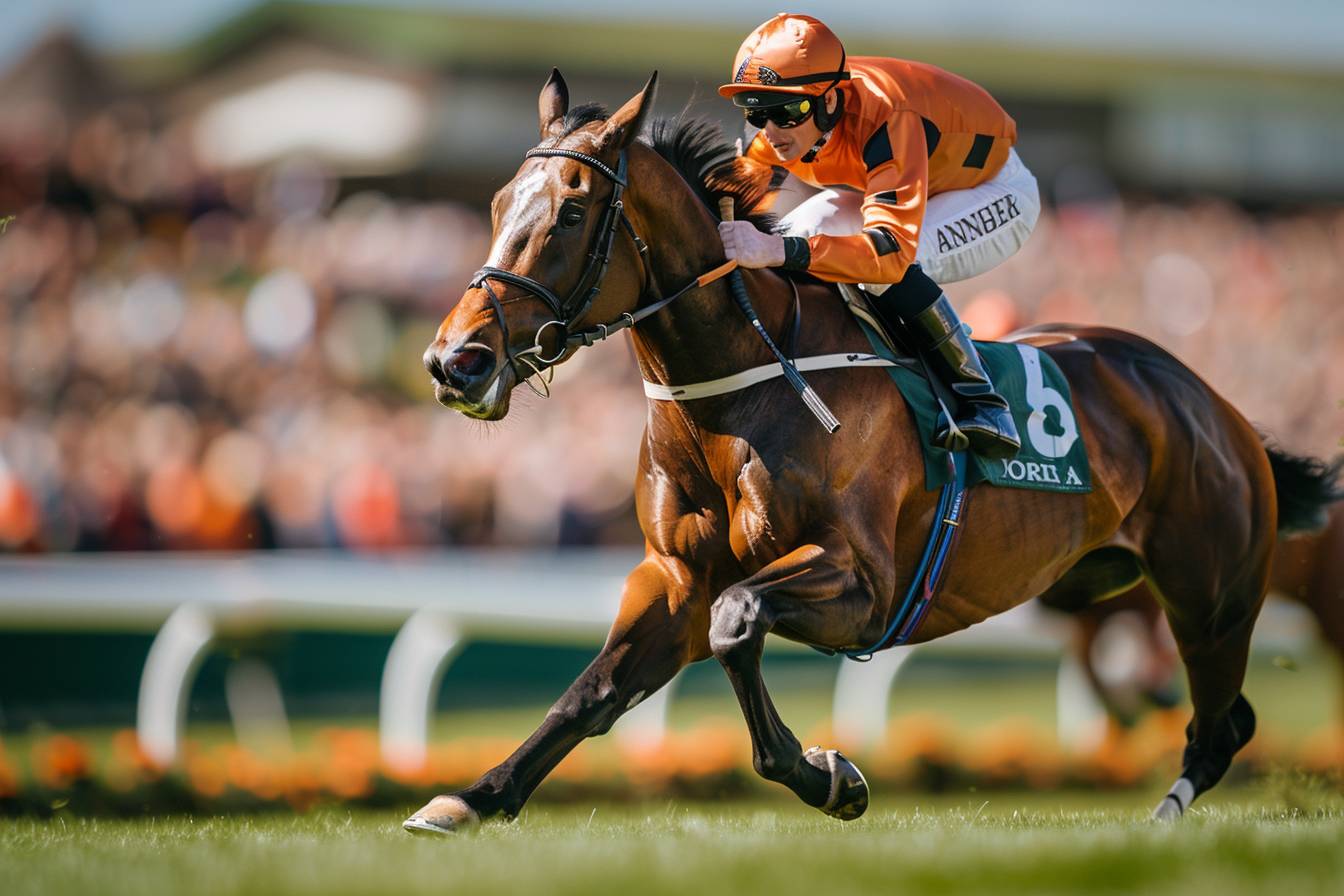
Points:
982	414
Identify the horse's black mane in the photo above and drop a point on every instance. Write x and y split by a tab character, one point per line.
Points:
697	149
580	115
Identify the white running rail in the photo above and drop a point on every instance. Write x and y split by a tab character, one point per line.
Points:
436	602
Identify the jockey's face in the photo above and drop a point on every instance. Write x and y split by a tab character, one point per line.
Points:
790	144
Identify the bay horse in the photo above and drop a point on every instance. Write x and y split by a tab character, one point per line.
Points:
757	521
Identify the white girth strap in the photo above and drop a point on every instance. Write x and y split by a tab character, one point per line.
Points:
755	375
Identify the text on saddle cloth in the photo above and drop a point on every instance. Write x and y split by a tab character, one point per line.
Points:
1052	458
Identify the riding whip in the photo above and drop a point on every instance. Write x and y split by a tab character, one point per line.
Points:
739	292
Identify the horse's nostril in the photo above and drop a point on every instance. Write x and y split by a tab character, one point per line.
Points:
465	366
471	362
432	364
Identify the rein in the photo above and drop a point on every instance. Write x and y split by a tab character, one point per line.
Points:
570	309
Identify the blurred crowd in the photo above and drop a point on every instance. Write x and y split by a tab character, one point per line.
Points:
194	359
204	360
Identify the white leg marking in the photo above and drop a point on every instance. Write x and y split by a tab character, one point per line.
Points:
1177	800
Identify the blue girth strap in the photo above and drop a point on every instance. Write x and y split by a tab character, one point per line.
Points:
932	565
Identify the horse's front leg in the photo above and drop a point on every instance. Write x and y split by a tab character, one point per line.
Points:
659	630
812	595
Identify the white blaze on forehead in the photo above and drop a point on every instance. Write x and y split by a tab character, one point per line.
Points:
525	193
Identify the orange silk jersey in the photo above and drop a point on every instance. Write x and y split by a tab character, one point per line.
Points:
909	131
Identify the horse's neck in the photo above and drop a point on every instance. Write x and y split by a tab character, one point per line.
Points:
703	335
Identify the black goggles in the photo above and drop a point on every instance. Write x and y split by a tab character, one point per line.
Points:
786	115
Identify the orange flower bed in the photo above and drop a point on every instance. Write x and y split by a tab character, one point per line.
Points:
9	777
345	766
59	762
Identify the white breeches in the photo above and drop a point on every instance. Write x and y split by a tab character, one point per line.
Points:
965	232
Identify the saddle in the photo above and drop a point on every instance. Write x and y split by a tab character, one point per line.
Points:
1052	458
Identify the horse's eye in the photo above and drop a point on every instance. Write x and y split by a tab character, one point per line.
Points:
571	216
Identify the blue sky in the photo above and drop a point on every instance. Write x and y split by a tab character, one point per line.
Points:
1299	33
119	23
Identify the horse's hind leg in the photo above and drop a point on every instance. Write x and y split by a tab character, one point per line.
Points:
1214	639
1220	727
810	593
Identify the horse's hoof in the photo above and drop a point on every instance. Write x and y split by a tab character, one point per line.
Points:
442	815
1167	810
848	798
1173	805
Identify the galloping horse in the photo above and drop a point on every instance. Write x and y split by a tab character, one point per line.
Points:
758	521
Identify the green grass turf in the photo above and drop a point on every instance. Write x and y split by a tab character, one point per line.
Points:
1241	841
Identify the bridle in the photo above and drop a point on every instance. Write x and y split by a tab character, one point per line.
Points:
570	309
567	311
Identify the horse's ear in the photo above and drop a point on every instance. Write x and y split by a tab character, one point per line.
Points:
624	126
553	104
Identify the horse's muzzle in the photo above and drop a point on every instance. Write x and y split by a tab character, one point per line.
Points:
467	368
465	378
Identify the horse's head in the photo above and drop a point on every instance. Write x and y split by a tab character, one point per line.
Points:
563	258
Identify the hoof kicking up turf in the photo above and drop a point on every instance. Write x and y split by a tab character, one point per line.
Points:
442	815
849	791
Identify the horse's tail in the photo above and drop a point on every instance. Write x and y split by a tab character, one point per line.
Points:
1306	487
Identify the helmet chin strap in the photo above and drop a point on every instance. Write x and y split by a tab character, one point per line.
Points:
811	155
826	119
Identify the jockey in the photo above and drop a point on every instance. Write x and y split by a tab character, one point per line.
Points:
913	182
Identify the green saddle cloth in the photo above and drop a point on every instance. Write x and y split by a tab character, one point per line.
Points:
1052	458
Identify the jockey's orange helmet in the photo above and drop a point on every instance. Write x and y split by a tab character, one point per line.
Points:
788	56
